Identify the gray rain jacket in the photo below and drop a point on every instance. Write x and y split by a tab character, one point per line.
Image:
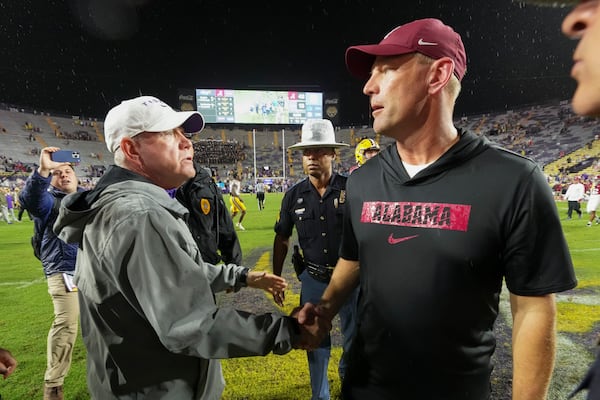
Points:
148	314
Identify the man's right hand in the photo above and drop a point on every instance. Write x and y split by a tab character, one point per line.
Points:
46	163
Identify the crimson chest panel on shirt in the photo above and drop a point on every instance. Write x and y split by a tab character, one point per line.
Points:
417	214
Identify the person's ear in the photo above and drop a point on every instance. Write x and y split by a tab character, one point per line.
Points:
440	72
130	149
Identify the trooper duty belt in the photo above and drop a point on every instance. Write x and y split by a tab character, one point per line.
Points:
319	272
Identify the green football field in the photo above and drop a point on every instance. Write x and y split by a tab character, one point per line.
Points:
26	315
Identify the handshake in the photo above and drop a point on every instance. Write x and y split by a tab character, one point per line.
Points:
314	324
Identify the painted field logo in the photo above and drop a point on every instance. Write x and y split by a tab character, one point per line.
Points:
453	217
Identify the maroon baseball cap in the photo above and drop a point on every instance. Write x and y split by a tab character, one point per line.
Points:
427	36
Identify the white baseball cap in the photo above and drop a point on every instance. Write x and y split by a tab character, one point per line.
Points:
146	114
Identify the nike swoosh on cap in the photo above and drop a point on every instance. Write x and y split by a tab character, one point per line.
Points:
421	42
393	240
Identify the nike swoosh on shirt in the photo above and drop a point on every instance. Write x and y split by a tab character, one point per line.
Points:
393	240
421	42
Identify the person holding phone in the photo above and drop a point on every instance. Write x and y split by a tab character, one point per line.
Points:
43	192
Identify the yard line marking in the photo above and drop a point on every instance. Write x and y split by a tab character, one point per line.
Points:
263	262
584	250
23	284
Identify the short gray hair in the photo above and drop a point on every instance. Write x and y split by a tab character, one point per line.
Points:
119	157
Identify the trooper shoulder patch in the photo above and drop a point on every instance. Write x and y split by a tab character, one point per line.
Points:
205	206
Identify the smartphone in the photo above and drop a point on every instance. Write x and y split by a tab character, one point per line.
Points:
69	156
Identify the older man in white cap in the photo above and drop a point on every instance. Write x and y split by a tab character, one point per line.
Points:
148	315
315	206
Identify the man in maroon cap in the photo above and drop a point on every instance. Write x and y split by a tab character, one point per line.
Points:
433	227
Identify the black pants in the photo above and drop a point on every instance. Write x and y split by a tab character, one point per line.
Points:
573	206
261	199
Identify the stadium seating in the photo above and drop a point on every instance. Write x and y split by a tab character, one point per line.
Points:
550	134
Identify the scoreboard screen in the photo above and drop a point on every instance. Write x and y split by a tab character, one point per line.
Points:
258	106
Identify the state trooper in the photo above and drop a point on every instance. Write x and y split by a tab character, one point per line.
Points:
315	206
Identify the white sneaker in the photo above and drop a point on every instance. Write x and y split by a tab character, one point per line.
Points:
240	227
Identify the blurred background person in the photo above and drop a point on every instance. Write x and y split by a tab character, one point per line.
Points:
593	202
236	202
574	195
260	194
366	149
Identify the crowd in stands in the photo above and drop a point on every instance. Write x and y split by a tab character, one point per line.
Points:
28	126
7	164
542	132
78	135
94	171
218	152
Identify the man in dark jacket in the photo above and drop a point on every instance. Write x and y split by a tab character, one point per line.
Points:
209	221
43	190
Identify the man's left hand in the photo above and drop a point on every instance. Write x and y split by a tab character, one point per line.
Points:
268	282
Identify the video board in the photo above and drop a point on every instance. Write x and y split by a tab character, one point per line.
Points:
258	106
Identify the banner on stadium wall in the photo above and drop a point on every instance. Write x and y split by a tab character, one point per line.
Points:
187	100
331	107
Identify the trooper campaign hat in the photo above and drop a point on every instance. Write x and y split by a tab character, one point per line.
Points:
317	133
